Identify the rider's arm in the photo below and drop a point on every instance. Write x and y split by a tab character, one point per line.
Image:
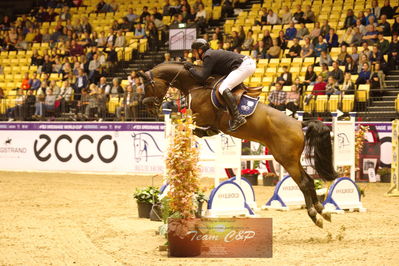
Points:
205	71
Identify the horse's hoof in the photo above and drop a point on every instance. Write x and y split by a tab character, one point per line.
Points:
326	216
319	222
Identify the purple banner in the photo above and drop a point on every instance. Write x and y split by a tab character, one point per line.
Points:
83	126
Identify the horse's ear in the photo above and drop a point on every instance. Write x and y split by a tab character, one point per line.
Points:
142	75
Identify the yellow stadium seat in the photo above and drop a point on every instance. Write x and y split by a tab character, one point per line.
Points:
333	103
348	103
308	108
267	81
321	103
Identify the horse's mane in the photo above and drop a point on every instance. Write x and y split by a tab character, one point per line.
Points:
174	63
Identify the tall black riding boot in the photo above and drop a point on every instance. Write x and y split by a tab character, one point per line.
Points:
237	119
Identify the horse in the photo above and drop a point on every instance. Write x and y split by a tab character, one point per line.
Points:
281	134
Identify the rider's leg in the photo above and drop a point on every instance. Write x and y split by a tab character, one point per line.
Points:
246	69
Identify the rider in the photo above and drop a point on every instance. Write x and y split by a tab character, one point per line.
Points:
237	67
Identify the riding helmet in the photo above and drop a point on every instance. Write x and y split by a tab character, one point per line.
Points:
200	44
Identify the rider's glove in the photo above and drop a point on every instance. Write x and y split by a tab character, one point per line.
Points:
188	65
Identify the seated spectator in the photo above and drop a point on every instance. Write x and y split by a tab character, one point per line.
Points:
263	18
113	6
355	55
272	18
366	51
302	32
103	85
49	101
384	27
200	18
297	17
295	50
93	103
116	89
94	68
214	43
35	82
81	83
356	37
65	97
76	49
299	85
315	33
286	17
129	104
282	42
260	51
310	75
285	78
376	57
131	15
291	32
382	44
342	55
395	26
320	47
139	31
348	87
144	14
324	71
65	14
247	45
267	39
332	39
325	28
349	20
371	35
375	9
292	99
307	48
387	10
347	37
277	98
372	21
234	40
325	59
332	87
26	82
274	51
363	60
172	96
167	58
350	65
54	88
120	40
319	87
364	75
377	82
309	16
17	112
336	73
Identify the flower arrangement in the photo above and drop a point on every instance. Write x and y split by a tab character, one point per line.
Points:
249	172
359	142
182	172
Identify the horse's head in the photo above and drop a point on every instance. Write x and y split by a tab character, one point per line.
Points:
154	91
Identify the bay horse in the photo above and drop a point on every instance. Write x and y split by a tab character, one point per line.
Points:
283	135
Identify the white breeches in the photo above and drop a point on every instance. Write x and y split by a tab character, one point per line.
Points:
245	70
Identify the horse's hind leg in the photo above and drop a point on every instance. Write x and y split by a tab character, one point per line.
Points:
316	203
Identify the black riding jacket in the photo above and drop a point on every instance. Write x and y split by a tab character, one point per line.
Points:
217	62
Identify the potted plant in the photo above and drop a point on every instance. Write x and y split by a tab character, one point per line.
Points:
182	174
251	175
146	198
385	174
269	179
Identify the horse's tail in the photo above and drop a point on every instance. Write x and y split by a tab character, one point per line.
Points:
318	141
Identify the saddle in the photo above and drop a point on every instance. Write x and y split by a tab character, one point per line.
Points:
238	91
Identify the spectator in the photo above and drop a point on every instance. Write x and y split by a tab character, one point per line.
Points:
356	37
376	57
394	45
395	26
370	18
120	40
129	103
35	82
54	87
200	18
86	26
277	98
49	101
17	112
320	47
260	51
172	96
332	39
295	49
298	15
167	58
267	39
139	32
116	89
65	97
315	33
65	14
371	35
103	85
377	82
393	60
325	58
144	14
286	18
355	55
364	75
113	6
26	82
363	60
39	106
299	85
310	75
319	87
102	100
76	49
350	65
302	32
324	71
94	68
292	99
93	102
336	73
132	16
342	55
247	45
332	87
325	28
348	87
291	32
285	78
272	18
387	10
384	27
366	51
309	16
153	41
165	8
347	37
282	42
274	51
263	18
307	49
81	83
349	20
219	34
362	29
227	9
29	105
375	9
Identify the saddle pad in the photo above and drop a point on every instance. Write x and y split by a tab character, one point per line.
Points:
246	106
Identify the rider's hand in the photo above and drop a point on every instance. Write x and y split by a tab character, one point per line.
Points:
188	65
